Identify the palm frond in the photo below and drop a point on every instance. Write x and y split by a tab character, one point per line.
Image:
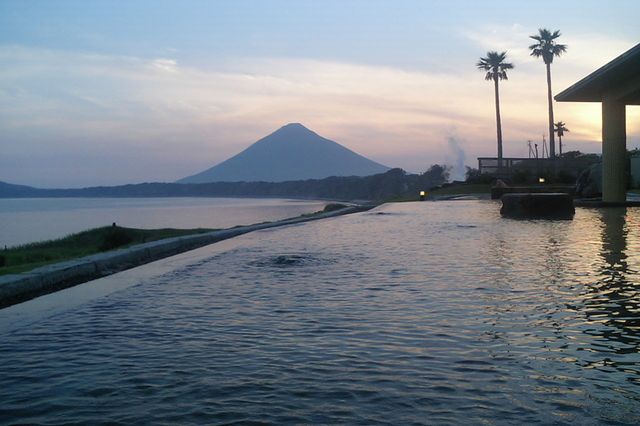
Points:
544	33
495	66
546	46
560	127
559	49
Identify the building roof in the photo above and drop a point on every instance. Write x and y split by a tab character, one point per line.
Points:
619	80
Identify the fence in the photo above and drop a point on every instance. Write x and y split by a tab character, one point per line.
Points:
530	169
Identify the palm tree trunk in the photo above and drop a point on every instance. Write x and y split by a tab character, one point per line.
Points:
560	144
498	125
552	143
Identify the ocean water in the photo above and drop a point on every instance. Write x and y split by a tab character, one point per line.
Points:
414	313
26	220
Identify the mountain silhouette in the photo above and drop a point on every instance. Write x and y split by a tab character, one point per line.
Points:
292	152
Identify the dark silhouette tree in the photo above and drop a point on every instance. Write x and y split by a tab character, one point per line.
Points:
560	128
496	67
436	175
547	48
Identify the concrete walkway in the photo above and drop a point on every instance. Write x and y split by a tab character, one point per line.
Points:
16	288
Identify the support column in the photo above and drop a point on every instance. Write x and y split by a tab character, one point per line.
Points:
614	151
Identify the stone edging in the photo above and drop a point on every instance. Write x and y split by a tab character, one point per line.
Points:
16	288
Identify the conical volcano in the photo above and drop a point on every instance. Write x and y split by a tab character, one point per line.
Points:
292	152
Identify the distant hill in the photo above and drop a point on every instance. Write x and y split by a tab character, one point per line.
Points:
383	186
293	152
9	190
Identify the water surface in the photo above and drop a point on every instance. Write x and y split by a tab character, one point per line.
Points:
25	220
414	313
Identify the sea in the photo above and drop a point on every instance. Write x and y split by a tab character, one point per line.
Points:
27	220
409	314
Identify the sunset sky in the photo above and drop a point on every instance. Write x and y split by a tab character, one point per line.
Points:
105	93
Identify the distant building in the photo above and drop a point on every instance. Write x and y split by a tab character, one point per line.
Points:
529	170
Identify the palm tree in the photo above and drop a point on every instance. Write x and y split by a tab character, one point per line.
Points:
496	67
560	128
547	48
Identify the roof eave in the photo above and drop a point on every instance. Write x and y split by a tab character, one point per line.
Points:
588	89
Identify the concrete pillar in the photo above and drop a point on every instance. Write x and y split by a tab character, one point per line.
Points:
614	151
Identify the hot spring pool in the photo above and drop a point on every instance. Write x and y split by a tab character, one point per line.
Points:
414	313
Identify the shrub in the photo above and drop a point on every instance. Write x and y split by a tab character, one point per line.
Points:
333	207
521	176
566	177
114	238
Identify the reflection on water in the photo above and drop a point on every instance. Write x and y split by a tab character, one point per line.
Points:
430	313
614	299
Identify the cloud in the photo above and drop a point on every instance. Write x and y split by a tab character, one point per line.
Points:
180	119
586	51
168	65
510	38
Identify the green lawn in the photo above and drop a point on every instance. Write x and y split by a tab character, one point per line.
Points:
30	256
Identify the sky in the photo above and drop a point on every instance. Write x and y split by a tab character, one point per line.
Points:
109	93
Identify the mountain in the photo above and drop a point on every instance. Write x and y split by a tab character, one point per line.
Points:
292	152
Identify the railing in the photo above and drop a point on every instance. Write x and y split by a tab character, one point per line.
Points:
530	168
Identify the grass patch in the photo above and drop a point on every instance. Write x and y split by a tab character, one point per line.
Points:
29	256
332	207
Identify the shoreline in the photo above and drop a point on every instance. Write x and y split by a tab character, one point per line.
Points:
18	288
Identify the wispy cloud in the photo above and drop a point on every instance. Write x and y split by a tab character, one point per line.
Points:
168	65
181	118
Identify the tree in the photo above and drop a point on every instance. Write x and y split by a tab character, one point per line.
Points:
496	67
472	174
435	176
572	155
560	128
547	48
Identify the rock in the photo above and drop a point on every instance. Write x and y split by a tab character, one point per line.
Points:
498	188
589	183
538	206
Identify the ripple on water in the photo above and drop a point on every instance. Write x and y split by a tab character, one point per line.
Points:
416	313
291	260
